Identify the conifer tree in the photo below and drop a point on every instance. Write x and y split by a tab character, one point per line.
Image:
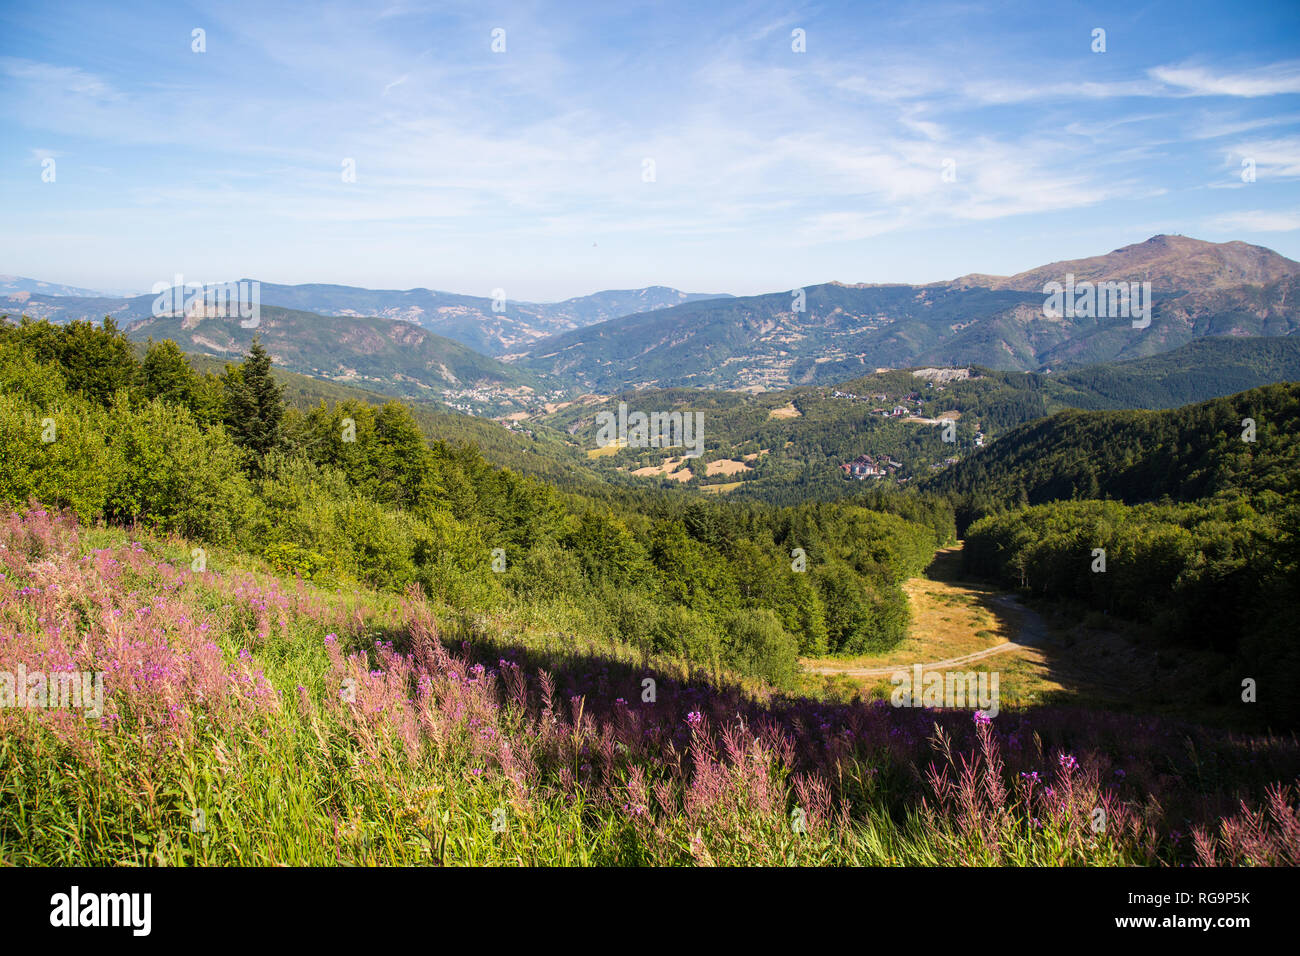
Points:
254	404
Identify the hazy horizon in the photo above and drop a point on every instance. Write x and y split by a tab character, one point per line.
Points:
577	295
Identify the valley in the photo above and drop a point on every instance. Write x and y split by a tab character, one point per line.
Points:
489	600
799	437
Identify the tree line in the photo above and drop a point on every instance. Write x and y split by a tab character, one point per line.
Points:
1217	575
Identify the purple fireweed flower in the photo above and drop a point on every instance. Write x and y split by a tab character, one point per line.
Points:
1067	762
695	718
982	718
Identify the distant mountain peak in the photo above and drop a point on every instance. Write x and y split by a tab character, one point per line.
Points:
20	285
1169	262
1199	289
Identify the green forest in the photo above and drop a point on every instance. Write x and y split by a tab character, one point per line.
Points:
1217	575
1242	444
1185	521
355	494
1194	508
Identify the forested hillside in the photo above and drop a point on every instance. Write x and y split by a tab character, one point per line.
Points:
1199	542
1200	370
1222	576
538	452
1204	369
833	331
395	357
1243	444
787	446
352	494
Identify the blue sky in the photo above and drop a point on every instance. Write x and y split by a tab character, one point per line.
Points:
523	170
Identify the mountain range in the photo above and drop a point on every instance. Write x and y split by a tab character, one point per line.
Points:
833	331
490	326
659	337
20	286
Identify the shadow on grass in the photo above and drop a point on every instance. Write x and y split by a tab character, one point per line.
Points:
868	751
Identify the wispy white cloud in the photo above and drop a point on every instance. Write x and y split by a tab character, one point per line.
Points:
468	153
1273	159
1271	80
1257	220
909	82
1216	127
58	79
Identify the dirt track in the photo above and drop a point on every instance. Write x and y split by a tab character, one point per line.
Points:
1032	633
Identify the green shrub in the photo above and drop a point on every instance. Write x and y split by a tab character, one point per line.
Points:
172	475
74	469
757	644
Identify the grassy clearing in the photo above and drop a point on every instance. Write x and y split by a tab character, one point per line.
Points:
1086	659
721	487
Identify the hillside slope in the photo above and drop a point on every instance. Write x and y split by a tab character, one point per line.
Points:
1134	456
394	357
1169	263
538	452
1198	288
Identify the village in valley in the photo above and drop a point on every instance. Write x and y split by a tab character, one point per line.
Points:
908	409
867	466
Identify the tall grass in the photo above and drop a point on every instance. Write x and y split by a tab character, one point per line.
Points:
252	720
